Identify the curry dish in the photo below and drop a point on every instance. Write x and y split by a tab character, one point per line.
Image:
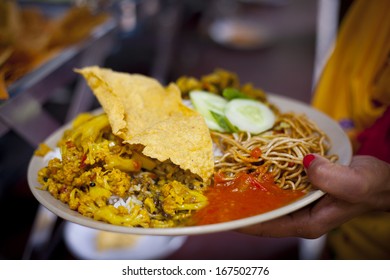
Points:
102	178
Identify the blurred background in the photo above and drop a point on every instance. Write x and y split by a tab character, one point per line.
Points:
278	45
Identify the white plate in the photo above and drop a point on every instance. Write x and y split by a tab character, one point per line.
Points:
340	146
81	241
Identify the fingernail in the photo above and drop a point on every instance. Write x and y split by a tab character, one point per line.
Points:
307	160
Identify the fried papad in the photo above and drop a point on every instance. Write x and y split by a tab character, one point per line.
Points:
142	111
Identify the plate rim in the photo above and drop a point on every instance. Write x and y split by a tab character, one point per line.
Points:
75	217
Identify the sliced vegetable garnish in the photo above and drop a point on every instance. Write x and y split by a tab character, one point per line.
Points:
249	115
205	103
238	114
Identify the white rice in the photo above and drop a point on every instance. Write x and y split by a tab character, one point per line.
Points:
128	204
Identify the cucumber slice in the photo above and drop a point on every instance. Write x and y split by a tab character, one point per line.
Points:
249	115
205	102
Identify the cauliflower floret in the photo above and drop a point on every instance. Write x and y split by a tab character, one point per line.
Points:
178	197
120	216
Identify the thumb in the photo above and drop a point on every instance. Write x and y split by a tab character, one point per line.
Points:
335	179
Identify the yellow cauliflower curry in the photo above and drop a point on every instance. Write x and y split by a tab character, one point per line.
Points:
103	178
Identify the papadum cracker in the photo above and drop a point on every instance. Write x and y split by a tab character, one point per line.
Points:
142	111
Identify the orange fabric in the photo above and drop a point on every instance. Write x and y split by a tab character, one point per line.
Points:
354	87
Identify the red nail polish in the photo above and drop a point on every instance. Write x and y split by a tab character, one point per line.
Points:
307	160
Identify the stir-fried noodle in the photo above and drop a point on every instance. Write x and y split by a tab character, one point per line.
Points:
278	151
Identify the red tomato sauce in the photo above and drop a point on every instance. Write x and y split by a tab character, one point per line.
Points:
244	196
